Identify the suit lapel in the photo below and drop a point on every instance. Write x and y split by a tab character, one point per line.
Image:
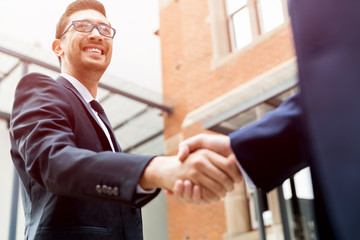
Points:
69	86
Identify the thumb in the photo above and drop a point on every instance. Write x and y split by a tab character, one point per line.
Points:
168	192
183	152
190	145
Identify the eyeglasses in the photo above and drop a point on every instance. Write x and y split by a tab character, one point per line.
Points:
86	27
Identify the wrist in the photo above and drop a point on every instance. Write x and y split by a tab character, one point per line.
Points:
158	173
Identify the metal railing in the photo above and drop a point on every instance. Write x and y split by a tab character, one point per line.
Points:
29	60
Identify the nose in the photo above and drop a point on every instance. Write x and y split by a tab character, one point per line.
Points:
95	35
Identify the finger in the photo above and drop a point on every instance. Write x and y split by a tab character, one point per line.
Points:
228	170
185	191
196	195
234	172
218	143
192	193
183	152
202	171
209	196
178	188
229	166
187	196
192	144
206	181
212	166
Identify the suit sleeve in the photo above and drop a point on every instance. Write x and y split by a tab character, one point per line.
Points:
270	150
44	147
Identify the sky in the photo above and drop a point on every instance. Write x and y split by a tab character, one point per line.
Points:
136	53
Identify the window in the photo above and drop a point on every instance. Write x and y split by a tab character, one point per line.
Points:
248	19
270	14
239	22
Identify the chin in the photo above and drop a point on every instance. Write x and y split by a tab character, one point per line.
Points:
96	66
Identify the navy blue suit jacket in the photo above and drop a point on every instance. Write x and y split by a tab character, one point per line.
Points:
61	155
320	126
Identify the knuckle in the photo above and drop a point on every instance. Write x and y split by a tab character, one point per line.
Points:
218	188
228	164
199	163
194	174
209	196
224	179
202	135
204	152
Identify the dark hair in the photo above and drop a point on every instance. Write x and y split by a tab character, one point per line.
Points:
76	6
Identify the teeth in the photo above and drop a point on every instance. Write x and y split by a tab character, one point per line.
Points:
94	50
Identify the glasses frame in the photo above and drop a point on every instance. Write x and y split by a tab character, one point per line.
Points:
94	25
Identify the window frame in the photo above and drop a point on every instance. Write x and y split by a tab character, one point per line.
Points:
255	22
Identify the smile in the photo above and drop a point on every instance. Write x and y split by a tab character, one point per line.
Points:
94	50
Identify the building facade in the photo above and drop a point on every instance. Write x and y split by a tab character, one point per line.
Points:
226	63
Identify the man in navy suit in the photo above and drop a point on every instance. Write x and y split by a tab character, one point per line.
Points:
319	127
76	182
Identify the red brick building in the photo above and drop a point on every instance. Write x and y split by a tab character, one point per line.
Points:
225	63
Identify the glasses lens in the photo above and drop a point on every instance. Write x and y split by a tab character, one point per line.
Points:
83	26
106	30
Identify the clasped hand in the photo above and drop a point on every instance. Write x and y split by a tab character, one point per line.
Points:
213	169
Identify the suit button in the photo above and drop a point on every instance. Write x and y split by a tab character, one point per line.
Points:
109	190
98	188
104	188
115	191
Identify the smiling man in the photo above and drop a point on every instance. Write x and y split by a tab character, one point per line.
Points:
76	182
85	59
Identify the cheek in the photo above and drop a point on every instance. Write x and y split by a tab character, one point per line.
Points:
72	44
110	46
109	53
74	47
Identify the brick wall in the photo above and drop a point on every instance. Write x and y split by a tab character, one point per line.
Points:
190	81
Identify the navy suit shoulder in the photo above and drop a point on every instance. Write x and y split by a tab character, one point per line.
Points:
270	150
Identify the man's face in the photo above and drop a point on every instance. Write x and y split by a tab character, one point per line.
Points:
86	51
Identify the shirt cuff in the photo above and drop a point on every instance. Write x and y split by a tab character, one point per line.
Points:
140	190
246	177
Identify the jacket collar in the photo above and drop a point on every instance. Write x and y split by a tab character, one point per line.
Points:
63	81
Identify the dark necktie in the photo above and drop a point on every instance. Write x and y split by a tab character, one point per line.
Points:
98	108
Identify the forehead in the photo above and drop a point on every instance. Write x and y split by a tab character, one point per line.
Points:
89	14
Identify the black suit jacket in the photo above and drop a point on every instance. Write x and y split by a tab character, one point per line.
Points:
320	126
62	155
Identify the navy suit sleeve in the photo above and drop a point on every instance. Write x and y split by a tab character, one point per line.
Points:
269	150
45	131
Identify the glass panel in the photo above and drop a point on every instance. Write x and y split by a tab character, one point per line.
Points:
303	184
271	14
299	208
234	5
242	28
287	190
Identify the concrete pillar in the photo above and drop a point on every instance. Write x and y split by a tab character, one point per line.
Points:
237	212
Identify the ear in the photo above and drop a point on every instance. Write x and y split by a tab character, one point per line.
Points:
56	47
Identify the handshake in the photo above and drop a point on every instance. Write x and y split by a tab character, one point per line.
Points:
204	170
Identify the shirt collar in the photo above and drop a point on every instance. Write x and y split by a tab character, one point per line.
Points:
84	92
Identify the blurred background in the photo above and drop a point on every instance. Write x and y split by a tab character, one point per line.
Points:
179	68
